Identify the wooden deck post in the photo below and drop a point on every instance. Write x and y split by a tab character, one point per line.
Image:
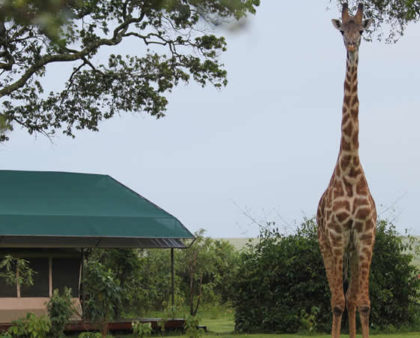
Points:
173	277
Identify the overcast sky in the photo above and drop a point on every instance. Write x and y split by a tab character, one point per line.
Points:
265	146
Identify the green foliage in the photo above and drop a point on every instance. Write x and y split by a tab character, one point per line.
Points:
90	335
281	283
125	267
394	285
102	293
30	327
203	274
207	269
16	271
171	49
192	329
390	17
60	310
48	15
280	280
141	329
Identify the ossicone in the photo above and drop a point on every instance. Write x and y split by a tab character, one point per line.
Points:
345	12
359	15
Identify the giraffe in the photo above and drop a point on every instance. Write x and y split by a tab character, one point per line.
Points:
346	215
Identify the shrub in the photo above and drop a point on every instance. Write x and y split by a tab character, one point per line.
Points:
394	285
192	329
90	335
30	327
141	329
281	283
60	309
102	295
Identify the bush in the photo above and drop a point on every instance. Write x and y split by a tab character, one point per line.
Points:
30	327
192	329
394	285
281	283
90	335
102	295
141	329
60	310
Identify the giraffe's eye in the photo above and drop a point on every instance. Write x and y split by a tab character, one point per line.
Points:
361	32
342	32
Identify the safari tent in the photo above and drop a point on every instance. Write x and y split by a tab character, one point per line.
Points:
48	218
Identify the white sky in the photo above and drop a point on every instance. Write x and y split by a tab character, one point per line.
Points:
267	144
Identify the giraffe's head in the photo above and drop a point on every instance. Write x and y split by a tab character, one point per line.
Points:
351	27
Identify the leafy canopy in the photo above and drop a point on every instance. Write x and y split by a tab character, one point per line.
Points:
171	44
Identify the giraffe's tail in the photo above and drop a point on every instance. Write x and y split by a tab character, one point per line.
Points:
346	263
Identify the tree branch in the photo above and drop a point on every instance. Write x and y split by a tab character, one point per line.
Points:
118	34
56	58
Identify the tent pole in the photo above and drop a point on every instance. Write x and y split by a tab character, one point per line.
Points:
172	278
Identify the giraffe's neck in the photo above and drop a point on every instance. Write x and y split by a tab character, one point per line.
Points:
350	120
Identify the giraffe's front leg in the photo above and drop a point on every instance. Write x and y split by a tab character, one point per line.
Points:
337	296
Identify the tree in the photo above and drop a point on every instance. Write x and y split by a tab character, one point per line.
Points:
196	270
16	271
394	14
172	48
207	270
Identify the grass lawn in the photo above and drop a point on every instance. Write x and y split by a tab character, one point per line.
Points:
398	335
220	324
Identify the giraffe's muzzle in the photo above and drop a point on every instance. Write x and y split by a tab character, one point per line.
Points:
351	47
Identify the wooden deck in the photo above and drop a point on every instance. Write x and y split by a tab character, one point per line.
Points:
117	326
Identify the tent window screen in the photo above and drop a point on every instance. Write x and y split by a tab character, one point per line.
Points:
40	288
65	273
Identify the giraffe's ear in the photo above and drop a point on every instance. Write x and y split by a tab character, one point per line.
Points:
366	23
336	23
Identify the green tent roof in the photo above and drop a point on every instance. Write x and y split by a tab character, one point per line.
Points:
58	209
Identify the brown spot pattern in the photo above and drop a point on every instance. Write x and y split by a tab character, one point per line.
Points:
354	172
338	189
347	86
348	225
361	187
348	129
347	100
366	238
363	213
341	205
356	162
342	216
359	202
345	161
358	226
349	189
369	225
345	118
